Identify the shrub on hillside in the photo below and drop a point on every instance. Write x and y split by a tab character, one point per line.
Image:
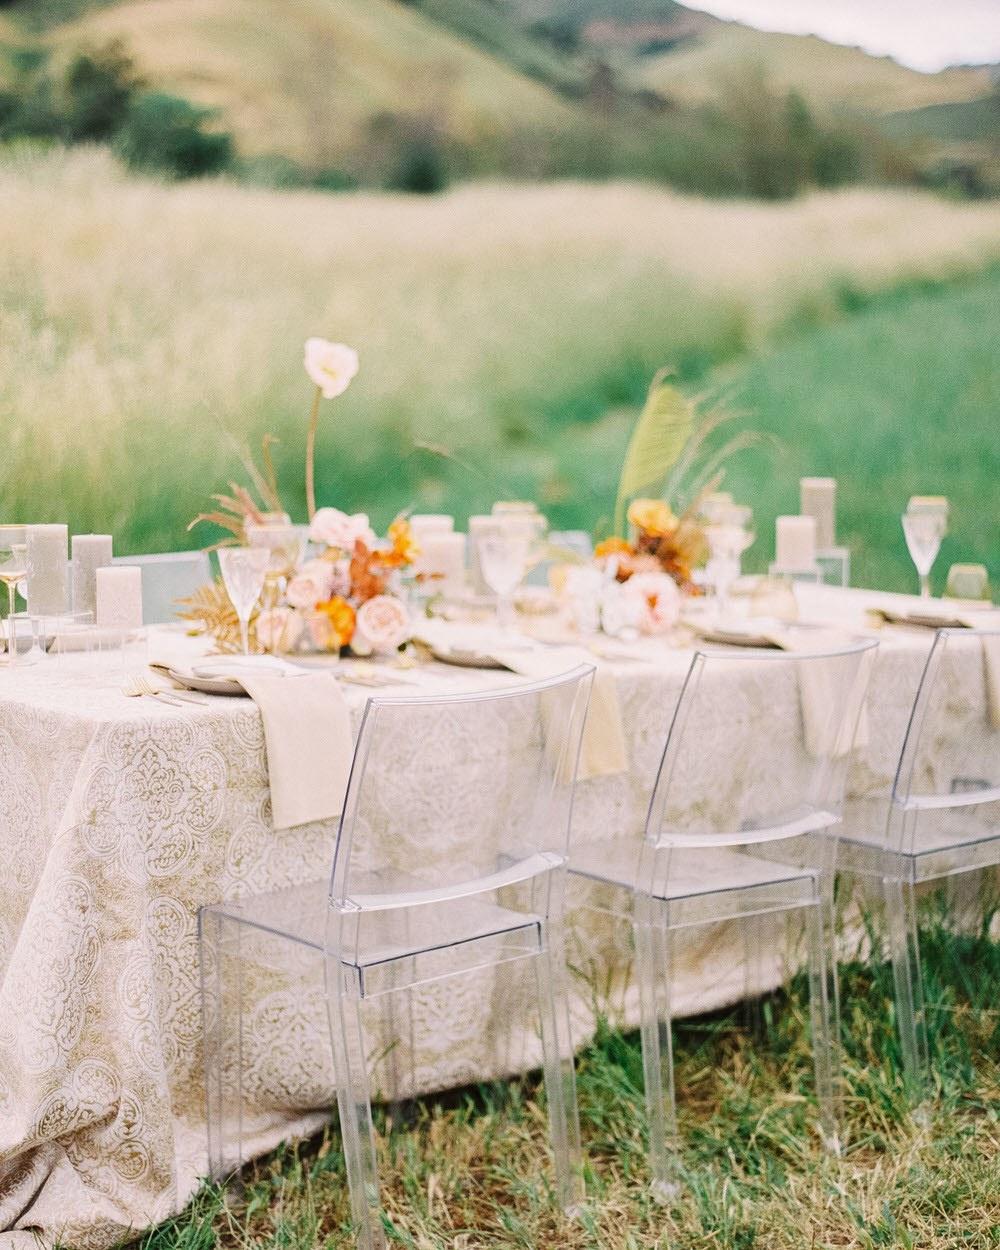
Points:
167	134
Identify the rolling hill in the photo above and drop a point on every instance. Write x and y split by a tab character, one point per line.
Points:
306	77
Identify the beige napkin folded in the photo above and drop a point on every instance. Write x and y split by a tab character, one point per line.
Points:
307	729
602	752
961	620
818	688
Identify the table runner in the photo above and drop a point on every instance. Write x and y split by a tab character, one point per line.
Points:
120	818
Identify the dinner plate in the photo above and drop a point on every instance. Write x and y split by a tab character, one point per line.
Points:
207	685
735	636
466	659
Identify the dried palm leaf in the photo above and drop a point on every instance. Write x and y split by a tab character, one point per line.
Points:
661	433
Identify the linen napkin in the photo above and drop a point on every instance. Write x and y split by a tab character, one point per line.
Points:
307	730
961	620
602	752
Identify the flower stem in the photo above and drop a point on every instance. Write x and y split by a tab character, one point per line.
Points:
311	456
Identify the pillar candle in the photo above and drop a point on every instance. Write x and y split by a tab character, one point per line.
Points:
119	597
442	556
818	499
48	569
795	543
90	553
431	523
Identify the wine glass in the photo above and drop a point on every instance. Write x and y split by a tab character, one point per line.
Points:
13	569
503	559
924	529
243	572
729	533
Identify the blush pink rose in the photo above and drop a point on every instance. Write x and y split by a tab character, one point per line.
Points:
336	529
312	584
279	629
658	599
383	624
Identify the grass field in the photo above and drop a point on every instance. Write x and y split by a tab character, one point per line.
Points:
471	1170
515	326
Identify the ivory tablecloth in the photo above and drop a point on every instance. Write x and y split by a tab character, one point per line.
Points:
119	818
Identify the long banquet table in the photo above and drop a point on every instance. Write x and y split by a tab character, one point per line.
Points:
120	817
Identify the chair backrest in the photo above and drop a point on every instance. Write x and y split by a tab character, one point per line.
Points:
948	780
167	578
758	747
457	795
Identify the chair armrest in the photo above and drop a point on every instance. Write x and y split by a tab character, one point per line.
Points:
521	870
812	823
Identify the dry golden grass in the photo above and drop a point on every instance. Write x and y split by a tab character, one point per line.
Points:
827	73
135	316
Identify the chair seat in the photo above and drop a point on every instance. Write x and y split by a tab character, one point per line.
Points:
300	914
944	842
713	884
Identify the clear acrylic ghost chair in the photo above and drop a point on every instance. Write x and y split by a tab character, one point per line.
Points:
450	858
942	817
749	786
167	578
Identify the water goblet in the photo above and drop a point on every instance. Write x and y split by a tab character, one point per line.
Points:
13	569
729	533
503	559
924	531
243	572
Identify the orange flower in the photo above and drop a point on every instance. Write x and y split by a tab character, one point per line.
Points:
613	547
652	517
365	571
337	619
404	545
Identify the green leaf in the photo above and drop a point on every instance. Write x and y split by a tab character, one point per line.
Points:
661	432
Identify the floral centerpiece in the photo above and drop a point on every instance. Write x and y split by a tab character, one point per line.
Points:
645	575
345	592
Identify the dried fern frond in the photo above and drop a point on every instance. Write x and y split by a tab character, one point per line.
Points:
211	607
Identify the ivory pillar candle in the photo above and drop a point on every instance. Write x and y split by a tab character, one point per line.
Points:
48	569
90	552
795	543
12	535
818	499
119	597
442	556
422	523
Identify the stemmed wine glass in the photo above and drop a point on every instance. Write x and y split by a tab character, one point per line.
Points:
924	529
730	532
13	569
243	572
503	559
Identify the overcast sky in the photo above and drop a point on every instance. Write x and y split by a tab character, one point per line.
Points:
926	34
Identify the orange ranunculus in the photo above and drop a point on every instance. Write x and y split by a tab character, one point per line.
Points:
366	573
613	547
404	545
652	517
341	617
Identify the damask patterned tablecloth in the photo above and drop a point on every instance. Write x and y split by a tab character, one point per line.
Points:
120	817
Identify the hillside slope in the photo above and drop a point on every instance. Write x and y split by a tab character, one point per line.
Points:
304	77
827	73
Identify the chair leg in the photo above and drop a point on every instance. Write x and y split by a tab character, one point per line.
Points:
820	1015
904	951
343	996
653	973
557	1059
222	1033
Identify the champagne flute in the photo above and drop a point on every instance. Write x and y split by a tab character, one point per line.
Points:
243	572
13	569
924	530
503	559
